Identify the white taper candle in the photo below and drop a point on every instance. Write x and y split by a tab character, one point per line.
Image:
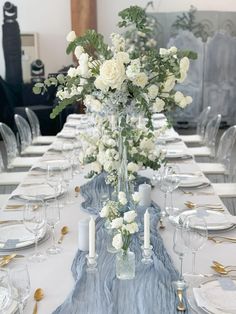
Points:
146	230
92	237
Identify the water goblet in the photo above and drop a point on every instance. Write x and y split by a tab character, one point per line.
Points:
53	218
20	283
5	289
34	218
195	235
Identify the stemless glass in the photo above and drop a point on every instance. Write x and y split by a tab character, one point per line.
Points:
53	218
20	283
195	235
5	290
34	218
180	249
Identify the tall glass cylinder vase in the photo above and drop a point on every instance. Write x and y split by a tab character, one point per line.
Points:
125	265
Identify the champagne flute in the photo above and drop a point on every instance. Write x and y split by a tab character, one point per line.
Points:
195	235
53	218
180	249
34	218
20	283
5	289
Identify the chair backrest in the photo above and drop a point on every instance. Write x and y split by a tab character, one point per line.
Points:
10	143
211	133
225	147
202	121
34	122
24	131
1	163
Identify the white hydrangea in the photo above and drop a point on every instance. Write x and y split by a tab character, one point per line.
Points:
122	57
130	216
146	144
118	42
117	241
133	69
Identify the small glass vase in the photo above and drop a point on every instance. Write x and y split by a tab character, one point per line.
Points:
125	265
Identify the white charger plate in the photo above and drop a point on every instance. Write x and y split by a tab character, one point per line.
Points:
15	236
207	295
187	180
221	223
39	191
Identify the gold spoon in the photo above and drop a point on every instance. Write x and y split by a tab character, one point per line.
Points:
221	240
217	264
192	205
6	259
221	271
77	190
180	307
64	231
38	296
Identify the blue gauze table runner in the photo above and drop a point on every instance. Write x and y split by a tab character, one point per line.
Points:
150	292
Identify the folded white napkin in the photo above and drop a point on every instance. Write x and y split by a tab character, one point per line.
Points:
214	219
34	191
67	133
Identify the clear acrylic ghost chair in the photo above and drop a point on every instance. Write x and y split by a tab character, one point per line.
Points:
26	138
12	153
9	180
209	140
38	138
197	139
219	170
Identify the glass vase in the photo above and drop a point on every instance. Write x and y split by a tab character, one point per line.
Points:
125	265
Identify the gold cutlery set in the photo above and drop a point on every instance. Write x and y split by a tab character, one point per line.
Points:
221	239
221	269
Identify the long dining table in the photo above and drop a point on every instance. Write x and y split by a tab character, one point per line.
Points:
54	274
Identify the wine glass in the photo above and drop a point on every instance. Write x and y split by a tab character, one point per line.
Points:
34	218
180	249
5	290
20	283
67	177
53	218
195	235
55	177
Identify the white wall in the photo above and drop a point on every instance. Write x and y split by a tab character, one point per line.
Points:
107	10
52	21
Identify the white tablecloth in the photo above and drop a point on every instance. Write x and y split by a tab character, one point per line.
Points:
54	275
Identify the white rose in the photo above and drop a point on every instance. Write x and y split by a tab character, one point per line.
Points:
111	142
158	105
183	103
130	216
132	228
133	167
153	91
163	51
104	211
117	241
146	144
140	79
169	84
72	72
78	51
122	57
122	198
184	64
173	49
178	97
100	85
112	74
71	36
189	100
136	197
117	223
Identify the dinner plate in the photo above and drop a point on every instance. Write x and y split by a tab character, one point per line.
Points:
175	153
55	164
11	305
212	298
215	220
15	236
188	180
36	192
